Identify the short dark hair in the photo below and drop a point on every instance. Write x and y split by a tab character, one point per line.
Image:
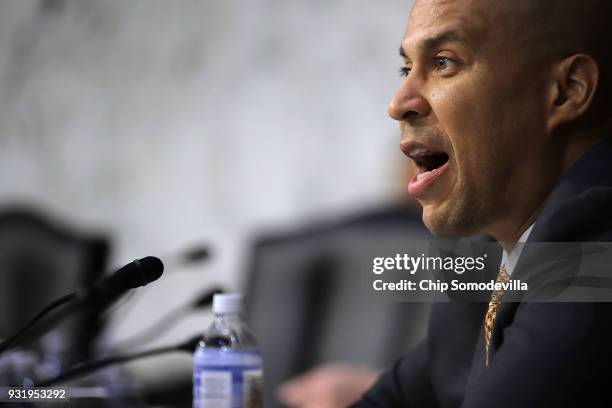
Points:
550	30
564	26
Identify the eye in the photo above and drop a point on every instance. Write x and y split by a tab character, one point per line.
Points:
404	71
444	63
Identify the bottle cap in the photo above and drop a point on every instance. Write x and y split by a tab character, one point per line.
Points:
227	303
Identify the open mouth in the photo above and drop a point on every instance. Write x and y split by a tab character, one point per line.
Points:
430	162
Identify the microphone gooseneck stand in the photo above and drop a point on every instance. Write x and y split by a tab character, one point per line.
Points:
93	365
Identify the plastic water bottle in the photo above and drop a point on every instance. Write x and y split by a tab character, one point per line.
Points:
228	368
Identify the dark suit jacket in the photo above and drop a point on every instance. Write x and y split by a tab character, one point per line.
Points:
545	354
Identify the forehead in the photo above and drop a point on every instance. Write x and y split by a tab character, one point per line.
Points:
471	20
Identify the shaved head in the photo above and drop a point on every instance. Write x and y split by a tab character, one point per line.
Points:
545	32
499	90
549	30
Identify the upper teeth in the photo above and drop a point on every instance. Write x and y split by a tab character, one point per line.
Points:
421	175
418	153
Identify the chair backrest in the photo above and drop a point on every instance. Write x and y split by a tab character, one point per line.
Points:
41	260
305	303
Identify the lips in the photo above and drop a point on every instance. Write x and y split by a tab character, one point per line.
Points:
431	162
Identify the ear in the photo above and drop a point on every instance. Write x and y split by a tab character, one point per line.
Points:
573	86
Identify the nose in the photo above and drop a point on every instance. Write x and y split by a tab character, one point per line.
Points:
408	102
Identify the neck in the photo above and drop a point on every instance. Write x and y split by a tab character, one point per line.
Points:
508	231
511	239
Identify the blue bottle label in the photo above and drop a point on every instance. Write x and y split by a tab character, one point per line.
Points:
227	379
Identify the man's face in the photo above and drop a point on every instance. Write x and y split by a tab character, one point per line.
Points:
472	115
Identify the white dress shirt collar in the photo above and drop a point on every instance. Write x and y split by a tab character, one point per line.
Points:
510	260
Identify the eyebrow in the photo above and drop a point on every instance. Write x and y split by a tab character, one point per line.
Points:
433	42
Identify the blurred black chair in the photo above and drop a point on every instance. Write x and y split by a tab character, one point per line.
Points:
40	260
305	302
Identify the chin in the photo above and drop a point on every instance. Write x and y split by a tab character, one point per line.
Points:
438	228
445	220
434	221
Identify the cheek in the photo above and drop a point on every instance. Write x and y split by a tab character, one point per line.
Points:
463	115
481	124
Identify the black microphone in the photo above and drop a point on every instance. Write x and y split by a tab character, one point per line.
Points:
175	261
164	323
205	299
187	257
87	367
107	289
101	294
196	254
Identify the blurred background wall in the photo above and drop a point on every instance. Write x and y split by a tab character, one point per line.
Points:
164	123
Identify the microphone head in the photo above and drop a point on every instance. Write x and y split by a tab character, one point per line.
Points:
138	273
206	298
196	254
108	288
151	268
